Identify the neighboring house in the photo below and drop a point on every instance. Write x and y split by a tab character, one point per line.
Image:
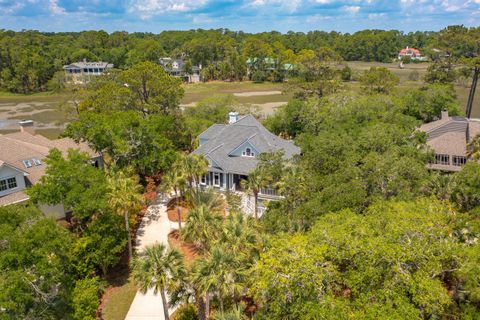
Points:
412	53
22	164
176	68
268	65
81	72
448	137
232	150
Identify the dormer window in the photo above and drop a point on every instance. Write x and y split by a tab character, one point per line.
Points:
248	153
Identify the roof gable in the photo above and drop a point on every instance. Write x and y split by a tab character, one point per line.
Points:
223	143
239	150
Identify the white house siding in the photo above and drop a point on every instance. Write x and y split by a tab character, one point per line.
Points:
8	172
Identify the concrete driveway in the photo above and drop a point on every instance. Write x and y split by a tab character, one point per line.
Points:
154	228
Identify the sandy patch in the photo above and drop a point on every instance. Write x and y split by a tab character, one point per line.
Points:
256	93
269	107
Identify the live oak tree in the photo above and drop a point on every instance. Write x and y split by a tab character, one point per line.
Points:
378	80
74	182
34	265
356	150
462	45
397	260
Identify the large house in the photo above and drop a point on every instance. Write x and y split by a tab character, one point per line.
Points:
232	150
412	53
81	72
448	137
22	164
176	68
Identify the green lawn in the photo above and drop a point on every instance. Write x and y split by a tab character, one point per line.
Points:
197	91
118	301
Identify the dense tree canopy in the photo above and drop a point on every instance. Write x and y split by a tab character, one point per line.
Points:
34	264
398	260
29	59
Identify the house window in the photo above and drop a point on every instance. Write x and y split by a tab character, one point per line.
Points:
36	161
459	160
442	159
216	179
203	179
9	183
248	153
27	163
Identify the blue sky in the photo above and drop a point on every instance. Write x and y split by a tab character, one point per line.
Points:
246	15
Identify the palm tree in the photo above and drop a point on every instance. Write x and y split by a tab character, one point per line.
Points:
207	198
221	273
124	196
203	226
234	314
194	166
239	231
256	180
156	268
473	148
442	186
174	179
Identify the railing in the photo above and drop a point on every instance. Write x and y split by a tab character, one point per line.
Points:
269	192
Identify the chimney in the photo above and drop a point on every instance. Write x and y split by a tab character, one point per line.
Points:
444	115
27	126
232	117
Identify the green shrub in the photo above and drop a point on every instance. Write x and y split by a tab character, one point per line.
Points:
86	298
186	312
346	73
258	76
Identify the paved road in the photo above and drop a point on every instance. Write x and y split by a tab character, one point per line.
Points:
154	228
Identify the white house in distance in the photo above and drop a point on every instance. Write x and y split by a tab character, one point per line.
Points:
232	150
81	72
176	68
22	164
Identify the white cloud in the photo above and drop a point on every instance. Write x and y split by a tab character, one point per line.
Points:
373	16
289	5
351	9
149	8
54	8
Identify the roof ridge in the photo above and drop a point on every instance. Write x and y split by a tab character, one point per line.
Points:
213	149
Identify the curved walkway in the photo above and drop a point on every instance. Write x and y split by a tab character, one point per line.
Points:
154	228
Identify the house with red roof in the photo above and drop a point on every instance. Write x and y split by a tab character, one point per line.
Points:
411	53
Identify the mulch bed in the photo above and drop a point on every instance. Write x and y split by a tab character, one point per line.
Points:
172	210
173	214
189	250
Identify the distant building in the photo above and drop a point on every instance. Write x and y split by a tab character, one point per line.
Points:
81	72
176	68
412	53
268	65
22	164
448	137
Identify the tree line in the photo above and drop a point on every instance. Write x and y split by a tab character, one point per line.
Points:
30	59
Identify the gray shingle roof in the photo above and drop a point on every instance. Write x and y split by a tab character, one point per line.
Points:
224	139
83	65
450	136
